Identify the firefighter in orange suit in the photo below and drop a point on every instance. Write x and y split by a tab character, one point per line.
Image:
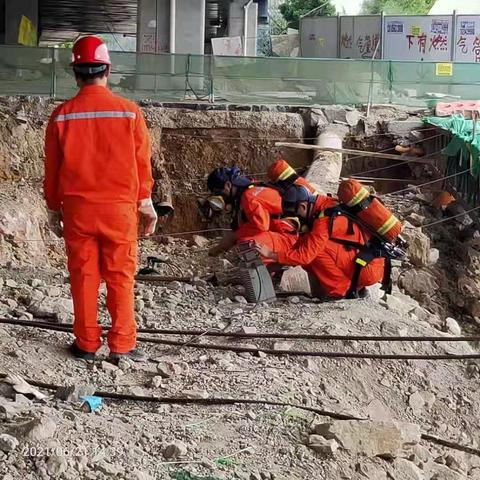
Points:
98	181
329	249
256	211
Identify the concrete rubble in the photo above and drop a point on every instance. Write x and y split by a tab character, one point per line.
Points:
371	438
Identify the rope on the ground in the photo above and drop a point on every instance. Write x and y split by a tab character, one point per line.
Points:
293	353
266	335
247	401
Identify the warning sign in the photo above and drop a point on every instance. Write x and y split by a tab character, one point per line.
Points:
444	69
467	27
395	27
440	26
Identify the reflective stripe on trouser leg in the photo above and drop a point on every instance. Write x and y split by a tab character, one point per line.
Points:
83	265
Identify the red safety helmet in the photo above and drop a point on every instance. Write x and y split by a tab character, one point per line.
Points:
90	49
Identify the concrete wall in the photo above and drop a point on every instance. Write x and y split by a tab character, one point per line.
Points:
14	9
236	24
235	18
252	27
153	29
190	26
153	32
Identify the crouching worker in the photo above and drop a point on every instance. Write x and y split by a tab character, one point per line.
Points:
331	250
256	211
98	182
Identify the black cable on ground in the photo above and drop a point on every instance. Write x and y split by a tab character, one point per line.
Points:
293	353
246	401
67	327
306	353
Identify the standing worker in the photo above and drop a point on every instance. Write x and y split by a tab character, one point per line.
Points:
98	180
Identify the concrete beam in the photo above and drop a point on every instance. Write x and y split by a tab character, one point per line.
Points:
190	26
236	24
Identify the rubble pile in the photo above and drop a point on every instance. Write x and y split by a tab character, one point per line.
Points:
442	267
376	412
390	402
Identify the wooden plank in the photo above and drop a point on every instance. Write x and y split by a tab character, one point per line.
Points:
360	153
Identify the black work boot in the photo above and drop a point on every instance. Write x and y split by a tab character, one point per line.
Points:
77	352
135	355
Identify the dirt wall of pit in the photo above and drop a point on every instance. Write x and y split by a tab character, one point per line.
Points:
187	145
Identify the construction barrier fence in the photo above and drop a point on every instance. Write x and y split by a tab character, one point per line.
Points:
245	80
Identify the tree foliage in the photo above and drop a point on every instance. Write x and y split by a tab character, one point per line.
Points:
292	10
397	7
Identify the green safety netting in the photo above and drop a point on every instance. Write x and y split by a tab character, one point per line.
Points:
247	80
463	154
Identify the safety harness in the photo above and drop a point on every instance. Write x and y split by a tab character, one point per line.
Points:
375	247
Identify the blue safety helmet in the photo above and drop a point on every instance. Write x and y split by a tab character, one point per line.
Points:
293	196
217	179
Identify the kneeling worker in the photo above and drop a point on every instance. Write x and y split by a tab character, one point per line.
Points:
98	181
256	211
330	247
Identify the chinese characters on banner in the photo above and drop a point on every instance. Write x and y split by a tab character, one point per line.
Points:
147	43
467	39
441	38
419	38
319	37
367	44
359	36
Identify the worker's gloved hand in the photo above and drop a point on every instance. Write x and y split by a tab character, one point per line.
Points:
147	211
55	222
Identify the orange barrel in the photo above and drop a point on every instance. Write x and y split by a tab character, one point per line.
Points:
282	174
369	209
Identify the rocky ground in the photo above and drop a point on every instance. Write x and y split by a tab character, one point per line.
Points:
53	438
436	294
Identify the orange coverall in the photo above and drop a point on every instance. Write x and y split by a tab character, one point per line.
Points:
332	263
258	205
97	168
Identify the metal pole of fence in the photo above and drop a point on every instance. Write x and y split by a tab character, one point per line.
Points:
53	85
390	80
338	34
454	32
452	53
370	87
211	97
382	36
